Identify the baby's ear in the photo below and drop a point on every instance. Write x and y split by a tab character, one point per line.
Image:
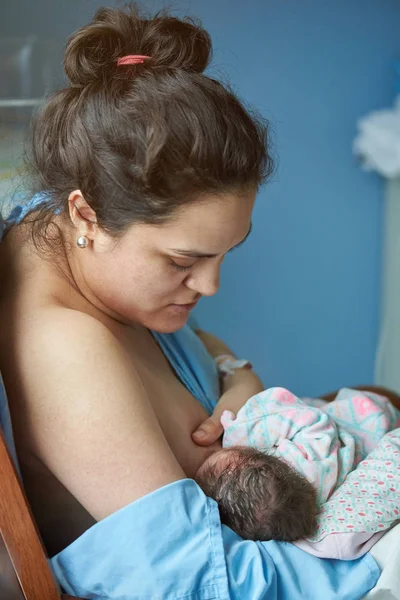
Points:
226	418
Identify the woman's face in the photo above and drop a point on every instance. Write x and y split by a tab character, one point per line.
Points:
155	274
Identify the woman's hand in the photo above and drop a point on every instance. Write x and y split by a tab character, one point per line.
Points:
236	390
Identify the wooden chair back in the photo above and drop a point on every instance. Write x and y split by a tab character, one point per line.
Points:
24	571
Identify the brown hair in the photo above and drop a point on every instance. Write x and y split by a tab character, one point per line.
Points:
141	140
261	497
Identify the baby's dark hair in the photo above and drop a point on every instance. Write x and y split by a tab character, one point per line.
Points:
261	497
141	140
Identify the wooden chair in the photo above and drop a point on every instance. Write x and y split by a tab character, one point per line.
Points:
24	571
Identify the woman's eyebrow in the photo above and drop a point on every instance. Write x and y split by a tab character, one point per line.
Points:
198	254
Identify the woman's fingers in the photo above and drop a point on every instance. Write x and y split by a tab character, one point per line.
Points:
208	432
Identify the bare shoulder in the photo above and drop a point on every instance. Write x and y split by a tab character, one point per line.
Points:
90	419
58	346
64	337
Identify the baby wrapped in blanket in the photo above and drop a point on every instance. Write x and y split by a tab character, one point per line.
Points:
323	443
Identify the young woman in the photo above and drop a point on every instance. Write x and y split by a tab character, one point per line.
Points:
148	171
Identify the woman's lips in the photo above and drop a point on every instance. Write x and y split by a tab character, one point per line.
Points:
183	307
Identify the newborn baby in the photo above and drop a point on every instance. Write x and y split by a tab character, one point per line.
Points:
259	496
283	457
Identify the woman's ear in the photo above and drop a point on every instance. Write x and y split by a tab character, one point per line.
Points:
82	215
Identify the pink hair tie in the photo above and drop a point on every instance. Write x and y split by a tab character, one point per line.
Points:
132	59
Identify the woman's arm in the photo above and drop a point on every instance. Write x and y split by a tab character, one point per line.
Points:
90	421
236	389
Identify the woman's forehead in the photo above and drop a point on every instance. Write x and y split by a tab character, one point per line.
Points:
209	226
206	228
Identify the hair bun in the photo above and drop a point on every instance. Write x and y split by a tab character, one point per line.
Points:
92	52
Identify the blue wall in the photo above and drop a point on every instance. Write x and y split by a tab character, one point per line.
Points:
301	297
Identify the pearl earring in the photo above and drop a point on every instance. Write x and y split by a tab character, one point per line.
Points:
82	241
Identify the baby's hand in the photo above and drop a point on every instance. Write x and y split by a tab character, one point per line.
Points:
226	418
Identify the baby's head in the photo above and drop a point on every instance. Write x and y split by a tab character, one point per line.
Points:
259	495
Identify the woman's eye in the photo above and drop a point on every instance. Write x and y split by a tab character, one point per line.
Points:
180	267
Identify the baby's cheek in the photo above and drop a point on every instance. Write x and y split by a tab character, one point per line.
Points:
199	475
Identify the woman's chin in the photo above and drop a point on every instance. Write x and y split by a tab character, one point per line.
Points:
168	322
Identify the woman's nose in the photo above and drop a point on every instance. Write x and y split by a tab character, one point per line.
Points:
204	279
